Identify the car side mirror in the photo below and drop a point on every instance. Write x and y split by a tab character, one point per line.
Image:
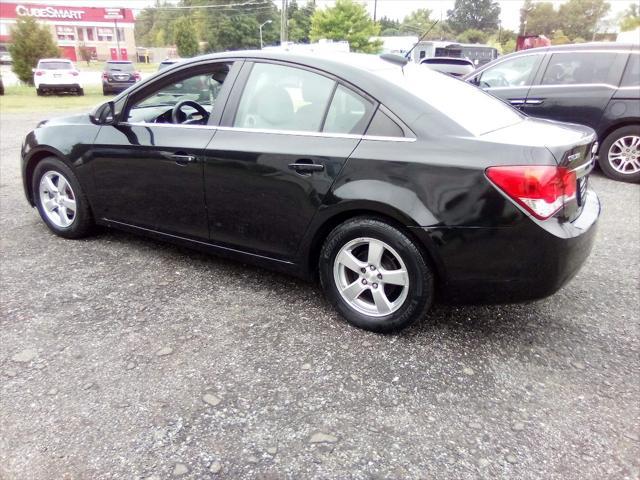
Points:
104	114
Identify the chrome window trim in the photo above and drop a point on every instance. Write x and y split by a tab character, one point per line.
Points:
574	85
297	133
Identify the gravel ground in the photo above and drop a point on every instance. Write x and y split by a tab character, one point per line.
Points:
122	357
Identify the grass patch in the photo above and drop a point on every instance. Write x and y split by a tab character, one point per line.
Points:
99	67
22	98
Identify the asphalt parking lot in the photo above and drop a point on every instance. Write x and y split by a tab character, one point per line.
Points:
122	357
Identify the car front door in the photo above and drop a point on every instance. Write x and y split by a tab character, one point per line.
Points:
576	86
285	135
510	79
148	167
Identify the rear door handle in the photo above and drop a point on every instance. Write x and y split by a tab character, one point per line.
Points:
306	166
535	101
517	101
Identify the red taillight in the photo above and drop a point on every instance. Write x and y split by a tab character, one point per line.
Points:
540	190
74	73
105	76
137	76
39	72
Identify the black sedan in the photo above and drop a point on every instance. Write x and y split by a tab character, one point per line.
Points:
390	183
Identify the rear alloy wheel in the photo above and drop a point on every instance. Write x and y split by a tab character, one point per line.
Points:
620	154
375	276
60	199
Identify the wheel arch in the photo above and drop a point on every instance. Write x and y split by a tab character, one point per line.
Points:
627	122
34	158
319	232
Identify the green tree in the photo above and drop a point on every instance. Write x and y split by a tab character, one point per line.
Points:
477	14
580	18
417	22
29	43
630	19
348	21
300	21
472	36
559	38
185	38
85	53
389	27
540	18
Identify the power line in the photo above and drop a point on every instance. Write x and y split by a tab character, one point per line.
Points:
251	3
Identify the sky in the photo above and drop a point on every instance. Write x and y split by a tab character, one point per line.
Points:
396	9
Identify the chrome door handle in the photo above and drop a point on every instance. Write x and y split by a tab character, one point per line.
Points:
517	101
303	167
183	159
535	101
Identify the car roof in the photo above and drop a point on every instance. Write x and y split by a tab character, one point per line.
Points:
55	60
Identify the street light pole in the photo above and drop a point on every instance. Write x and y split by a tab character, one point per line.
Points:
262	25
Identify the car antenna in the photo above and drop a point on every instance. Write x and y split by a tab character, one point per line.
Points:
406	55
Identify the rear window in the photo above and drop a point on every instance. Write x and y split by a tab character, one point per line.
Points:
120	67
578	68
631	76
468	106
447	61
55	65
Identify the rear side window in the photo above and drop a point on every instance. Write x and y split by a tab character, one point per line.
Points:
578	68
383	126
348	113
631	76
283	98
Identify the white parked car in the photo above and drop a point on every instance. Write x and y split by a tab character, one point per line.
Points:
57	75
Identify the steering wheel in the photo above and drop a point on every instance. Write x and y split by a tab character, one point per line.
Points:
178	116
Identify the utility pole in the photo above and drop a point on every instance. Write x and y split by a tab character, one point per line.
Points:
375	10
283	23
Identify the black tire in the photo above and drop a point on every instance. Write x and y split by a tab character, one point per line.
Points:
83	223
603	156
105	91
80	92
39	92
421	279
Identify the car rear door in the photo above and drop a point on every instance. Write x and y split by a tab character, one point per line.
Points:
510	78
285	135
576	86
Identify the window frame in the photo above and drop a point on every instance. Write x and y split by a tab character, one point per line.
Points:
231	108
173	76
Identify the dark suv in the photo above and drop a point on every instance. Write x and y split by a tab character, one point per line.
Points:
594	84
118	75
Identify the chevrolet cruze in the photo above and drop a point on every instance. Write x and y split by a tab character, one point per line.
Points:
390	183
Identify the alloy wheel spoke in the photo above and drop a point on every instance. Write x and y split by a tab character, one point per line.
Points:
394	277
376	249
49	205
62	184
51	187
62	213
353	291
69	204
347	259
383	305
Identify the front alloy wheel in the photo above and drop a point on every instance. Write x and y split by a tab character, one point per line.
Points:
620	154
375	275
57	199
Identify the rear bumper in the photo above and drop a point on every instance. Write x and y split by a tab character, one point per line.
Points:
116	86
514	264
59	86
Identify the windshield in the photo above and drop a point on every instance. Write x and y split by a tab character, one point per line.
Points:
55	65
468	106
120	67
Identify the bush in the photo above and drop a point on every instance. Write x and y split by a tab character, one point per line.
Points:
29	43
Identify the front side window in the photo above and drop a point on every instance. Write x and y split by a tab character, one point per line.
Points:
514	72
202	89
348	113
578	68
283	98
